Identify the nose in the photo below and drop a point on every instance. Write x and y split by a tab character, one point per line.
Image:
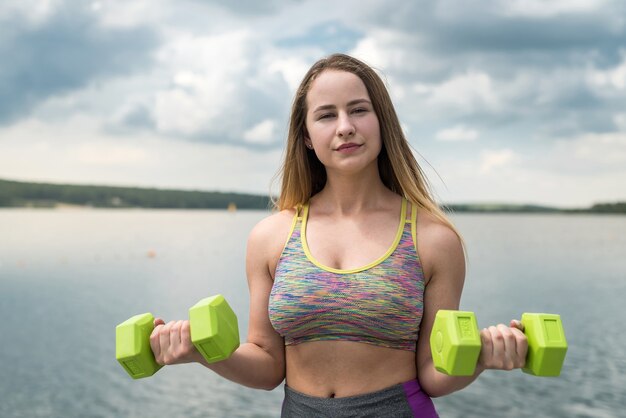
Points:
345	127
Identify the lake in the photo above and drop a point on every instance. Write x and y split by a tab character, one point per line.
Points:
68	277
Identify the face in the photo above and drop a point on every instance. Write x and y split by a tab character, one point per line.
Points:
343	129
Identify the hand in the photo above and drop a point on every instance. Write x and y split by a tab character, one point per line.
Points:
171	342
503	348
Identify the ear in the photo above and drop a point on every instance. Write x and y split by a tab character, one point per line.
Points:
307	140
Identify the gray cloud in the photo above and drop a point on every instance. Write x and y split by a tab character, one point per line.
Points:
249	7
537	62
332	36
536	66
66	52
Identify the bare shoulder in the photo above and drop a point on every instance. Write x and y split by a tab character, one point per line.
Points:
274	227
268	237
432	232
438	244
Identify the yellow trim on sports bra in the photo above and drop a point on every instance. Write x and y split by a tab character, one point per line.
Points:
296	217
379	260
414	226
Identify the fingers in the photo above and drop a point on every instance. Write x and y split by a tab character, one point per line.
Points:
171	342
185	335
155	338
521	347
503	347
517	324
164	342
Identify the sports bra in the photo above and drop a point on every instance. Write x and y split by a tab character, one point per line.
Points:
380	303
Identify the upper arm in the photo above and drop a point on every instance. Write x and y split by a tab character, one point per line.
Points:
443	258
264	246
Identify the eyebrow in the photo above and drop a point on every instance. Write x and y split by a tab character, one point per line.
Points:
350	103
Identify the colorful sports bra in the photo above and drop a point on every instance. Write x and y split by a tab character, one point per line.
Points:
380	303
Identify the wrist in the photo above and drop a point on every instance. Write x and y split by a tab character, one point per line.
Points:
479	368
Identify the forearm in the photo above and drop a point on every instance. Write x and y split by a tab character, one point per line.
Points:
437	384
251	366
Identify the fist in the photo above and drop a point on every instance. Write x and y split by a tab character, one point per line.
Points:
503	348
171	342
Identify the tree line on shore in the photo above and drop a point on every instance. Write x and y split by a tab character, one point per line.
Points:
45	195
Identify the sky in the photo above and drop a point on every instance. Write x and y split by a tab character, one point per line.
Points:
516	101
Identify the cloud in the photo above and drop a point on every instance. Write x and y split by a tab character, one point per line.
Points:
262	133
495	159
466	92
620	121
543	89
331	36
512	28
80	152
292	70
542	9
105	153
249	7
594	152
218	87
611	78
63	51
541	85
457	133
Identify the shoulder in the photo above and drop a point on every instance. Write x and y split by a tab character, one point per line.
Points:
438	244
270	228
435	233
268	237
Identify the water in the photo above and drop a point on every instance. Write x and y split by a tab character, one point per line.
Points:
68	277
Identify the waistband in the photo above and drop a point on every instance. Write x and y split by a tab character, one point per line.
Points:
401	400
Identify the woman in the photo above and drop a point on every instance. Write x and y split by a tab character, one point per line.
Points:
346	278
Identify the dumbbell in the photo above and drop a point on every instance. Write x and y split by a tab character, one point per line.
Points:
214	332
455	343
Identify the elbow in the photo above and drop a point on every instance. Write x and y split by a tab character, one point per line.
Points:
433	393
431	385
272	386
275	378
436	391
273	383
429	389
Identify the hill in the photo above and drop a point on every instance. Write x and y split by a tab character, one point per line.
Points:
22	194
47	195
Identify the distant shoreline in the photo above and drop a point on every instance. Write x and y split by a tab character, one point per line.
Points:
15	194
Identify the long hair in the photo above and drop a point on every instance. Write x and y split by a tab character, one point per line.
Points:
303	175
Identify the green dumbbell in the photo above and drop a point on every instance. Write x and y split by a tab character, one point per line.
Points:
214	333
455	343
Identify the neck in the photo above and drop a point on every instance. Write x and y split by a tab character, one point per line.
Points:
352	193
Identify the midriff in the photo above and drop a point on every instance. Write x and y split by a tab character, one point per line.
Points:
338	369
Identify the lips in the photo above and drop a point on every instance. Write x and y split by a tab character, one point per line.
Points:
347	146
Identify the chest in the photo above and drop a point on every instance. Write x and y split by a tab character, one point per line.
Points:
350	244
380	303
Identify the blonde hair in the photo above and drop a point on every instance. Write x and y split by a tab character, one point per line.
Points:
303	175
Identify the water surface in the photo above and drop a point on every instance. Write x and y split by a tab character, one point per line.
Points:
68	277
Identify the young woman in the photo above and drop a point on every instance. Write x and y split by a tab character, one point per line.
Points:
346	278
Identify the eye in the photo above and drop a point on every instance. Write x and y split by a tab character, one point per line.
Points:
359	110
325	116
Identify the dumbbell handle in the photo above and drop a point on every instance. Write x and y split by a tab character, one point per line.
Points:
214	333
455	343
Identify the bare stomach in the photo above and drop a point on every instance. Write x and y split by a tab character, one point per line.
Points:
343	368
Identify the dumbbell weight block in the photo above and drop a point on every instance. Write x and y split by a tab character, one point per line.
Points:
214	333
455	343
547	345
214	328
132	346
